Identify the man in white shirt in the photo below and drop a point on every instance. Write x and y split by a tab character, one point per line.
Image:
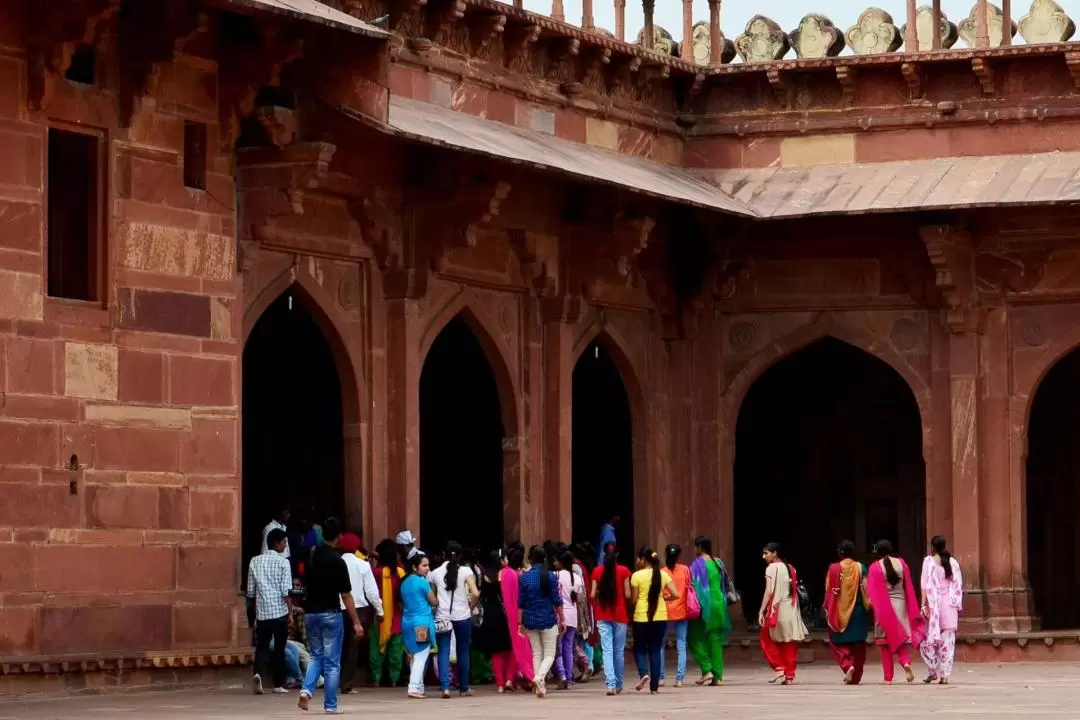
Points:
269	584
279	522
367	598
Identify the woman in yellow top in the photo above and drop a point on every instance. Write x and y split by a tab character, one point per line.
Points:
650	616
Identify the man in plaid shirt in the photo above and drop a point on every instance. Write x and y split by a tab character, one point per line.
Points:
269	582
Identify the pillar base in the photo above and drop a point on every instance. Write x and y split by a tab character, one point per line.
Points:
998	611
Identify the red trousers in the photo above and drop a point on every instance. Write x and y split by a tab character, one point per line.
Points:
903	654
502	665
848	656
782	657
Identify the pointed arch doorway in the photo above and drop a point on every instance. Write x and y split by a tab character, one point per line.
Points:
602	449
828	447
293	414
466	462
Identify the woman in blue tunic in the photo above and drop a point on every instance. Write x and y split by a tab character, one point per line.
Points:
417	621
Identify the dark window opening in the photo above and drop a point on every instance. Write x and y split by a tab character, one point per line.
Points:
83	65
828	448
74	220
602	463
195	155
461	435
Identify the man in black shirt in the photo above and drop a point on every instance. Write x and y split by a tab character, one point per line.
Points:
327	587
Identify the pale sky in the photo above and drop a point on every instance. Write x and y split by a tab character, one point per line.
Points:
735	13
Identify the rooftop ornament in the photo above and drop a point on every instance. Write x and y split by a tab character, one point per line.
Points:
816	37
995	22
874	33
763	41
1046	23
924	26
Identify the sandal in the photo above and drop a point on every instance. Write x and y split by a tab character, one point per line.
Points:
910	674
705	679
777	678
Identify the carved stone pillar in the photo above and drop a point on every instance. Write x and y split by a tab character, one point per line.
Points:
620	20
650	35
688	31
557	397
403	365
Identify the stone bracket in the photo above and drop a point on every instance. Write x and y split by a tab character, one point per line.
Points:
845	74
440	17
517	44
952	255
984	71
400	9
1072	61
484	27
913	76
779	86
152	33
624	73
247	69
56	28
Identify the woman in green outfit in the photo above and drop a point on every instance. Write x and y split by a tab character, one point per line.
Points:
710	631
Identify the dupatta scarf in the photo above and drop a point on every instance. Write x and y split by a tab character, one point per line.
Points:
841	593
878	588
714	609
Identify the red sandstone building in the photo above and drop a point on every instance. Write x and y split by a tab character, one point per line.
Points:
460	268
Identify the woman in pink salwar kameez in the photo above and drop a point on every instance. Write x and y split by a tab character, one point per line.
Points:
896	611
522	664
942	599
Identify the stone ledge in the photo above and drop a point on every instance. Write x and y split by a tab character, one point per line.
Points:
87	663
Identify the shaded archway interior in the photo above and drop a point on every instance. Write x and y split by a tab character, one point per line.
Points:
293	451
461	444
602	463
828	447
1053	498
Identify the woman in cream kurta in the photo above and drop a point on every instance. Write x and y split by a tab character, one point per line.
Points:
782	628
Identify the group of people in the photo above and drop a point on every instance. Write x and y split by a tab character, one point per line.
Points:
903	620
550	614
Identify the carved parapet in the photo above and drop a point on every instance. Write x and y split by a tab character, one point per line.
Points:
995	21
518	41
816	37
924	26
56	27
875	32
762	41
952	255
1046	22
484	27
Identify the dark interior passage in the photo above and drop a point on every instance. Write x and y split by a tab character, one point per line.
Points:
461	434
292	422
828	447
1053	503
602	450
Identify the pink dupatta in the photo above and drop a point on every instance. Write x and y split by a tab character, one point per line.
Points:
878	589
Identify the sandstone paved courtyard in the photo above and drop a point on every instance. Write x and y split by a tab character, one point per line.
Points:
979	691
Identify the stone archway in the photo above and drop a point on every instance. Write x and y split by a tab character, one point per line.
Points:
303	435
1052	495
828	447
602	362
469	457
775	352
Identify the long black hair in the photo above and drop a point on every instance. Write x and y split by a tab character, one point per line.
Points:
883	549
941	548
846	550
703	544
656	584
566	560
607	590
515	556
539	558
453	562
672	555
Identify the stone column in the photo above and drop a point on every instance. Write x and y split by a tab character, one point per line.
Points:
403	365
688	31
1002	490
938	457
556	518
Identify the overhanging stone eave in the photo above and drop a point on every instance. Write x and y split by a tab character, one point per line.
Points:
310	11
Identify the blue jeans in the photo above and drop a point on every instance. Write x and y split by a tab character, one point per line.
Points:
325	633
680	627
292	662
462	633
613	647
